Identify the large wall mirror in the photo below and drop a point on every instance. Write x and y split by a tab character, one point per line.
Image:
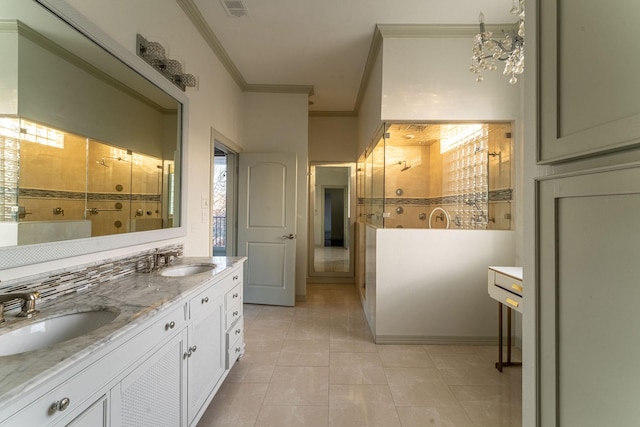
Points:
331	195
90	139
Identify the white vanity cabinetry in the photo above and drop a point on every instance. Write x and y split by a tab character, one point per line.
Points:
163	372
234	320
153	393
205	355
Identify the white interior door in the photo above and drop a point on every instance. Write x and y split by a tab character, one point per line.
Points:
267	226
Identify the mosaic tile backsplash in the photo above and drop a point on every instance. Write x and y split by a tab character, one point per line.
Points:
70	280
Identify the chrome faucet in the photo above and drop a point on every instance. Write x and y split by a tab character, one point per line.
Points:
158	260
28	303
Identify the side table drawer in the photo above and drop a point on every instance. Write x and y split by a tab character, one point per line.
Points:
508	283
507	298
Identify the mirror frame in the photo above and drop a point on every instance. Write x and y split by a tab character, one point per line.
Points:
18	256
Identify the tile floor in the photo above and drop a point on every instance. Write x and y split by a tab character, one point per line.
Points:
316	365
331	259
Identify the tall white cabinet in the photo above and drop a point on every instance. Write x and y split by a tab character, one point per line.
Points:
587	227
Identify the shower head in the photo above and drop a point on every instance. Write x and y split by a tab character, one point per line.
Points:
103	163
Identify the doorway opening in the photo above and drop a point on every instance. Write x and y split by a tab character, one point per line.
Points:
223	209
334	216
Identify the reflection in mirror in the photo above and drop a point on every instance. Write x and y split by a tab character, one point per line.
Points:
331	221
88	148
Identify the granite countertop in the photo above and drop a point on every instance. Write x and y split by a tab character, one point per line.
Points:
137	297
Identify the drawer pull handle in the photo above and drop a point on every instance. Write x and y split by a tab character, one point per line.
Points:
205	300
187	354
512	302
238	331
516	287
193	349
235	277
235	295
238	350
170	325
235	313
60	405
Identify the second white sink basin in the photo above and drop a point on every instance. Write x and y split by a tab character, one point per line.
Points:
187	270
53	330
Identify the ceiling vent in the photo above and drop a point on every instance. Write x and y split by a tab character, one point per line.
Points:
234	8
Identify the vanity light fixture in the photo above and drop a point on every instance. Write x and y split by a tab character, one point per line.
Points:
155	55
486	49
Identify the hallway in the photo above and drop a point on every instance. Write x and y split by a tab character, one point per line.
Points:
316	365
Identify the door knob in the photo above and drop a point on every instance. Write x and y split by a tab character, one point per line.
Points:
289	236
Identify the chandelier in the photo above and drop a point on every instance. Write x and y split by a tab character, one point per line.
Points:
486	49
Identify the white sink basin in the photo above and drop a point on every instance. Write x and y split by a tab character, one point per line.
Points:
187	270
53	330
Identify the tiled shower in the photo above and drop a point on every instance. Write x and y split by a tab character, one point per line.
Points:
438	175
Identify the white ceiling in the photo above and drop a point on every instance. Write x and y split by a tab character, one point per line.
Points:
324	43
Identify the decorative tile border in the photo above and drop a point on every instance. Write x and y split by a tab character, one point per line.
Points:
80	195
58	283
505	195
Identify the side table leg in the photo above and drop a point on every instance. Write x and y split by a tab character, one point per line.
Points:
508	336
499	362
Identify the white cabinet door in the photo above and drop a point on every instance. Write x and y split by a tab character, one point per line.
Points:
206	351
94	416
154	393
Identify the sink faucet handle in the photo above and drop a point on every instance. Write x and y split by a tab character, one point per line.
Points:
29	304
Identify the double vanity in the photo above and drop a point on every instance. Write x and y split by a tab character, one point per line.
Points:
146	349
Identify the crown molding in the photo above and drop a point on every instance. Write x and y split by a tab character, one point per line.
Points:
435	31
195	16
198	21
351	113
381	31
8	26
267	88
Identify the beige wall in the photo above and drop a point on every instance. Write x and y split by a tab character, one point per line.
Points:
333	139
275	123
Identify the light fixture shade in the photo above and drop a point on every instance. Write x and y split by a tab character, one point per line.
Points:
155	55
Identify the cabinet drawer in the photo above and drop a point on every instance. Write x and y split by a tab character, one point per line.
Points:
235	352
203	302
507	298
508	283
235	332
233	315
233	305
61	401
234	297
